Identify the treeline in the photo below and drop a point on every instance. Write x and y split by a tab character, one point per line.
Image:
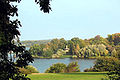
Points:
78	48
29	43
55	46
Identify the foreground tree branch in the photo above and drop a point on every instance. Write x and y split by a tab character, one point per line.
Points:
9	40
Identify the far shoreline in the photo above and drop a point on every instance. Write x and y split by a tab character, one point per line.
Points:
39	57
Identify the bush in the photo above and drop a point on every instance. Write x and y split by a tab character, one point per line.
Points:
105	64
56	68
73	67
62	68
28	70
32	69
74	56
24	71
115	74
89	70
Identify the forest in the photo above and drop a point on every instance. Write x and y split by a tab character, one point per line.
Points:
78	48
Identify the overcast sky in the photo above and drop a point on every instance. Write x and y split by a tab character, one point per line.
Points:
69	18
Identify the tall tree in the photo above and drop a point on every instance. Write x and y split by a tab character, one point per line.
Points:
114	39
99	40
9	33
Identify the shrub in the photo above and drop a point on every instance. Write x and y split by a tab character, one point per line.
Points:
89	70
105	64
28	70
56	68
32	69
24	71
74	56
62	68
115	74
73	67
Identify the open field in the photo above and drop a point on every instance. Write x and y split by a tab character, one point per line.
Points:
68	76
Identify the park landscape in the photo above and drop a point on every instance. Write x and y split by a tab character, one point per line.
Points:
75	41
105	52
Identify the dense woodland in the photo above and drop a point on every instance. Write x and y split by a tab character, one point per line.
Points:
78	48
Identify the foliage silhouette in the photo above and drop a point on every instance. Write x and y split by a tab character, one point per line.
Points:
9	34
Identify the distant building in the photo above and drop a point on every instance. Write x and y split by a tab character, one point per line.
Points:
66	49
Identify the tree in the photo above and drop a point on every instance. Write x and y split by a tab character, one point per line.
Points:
56	68
9	33
47	53
117	48
114	39
76	41
99	40
115	74
73	67
37	50
93	51
77	50
62	44
114	53
75	44
54	45
106	64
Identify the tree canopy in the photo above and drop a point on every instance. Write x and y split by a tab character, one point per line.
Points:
87	48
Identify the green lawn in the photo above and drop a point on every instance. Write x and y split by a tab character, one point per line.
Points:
66	56
68	76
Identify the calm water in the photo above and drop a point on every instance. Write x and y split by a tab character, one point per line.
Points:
43	64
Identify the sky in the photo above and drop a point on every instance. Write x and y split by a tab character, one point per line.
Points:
69	18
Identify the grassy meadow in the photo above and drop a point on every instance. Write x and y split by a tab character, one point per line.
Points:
68	76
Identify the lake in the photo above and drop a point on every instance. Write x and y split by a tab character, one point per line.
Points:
43	64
